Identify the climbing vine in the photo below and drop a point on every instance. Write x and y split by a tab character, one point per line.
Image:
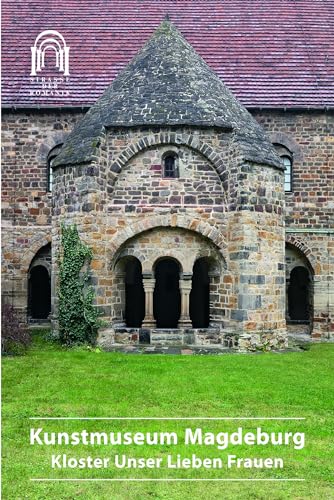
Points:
78	317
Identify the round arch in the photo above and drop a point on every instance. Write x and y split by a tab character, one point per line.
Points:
173	139
169	220
36	244
289	142
170	256
51	142
303	249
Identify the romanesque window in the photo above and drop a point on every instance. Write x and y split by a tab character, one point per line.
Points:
51	158
170	165
286	157
287	161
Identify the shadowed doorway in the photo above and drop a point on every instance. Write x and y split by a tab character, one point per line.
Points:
39	293
134	294
200	294
166	297
299	294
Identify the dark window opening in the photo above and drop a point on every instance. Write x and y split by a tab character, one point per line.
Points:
200	295
299	294
51	158
134	294
170	166
39	302
167	297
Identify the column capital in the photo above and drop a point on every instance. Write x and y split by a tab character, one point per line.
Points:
185	286
186	276
148	284
148	275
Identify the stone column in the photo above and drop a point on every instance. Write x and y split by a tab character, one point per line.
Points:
185	289
149	284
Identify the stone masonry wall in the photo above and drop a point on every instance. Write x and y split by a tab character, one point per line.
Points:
27	138
243	220
310	205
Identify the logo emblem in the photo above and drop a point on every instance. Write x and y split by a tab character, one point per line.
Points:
50	40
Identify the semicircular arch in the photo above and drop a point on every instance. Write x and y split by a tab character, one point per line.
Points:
52	141
288	142
303	249
165	139
36	244
205	229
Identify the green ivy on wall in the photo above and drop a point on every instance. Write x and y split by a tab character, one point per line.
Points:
78	317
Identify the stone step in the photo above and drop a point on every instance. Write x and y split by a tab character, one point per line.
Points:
170	349
170	337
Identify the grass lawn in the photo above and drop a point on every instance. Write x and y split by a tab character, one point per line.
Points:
50	381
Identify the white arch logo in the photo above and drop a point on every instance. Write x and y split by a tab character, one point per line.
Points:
50	40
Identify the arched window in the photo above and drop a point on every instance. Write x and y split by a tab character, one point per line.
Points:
287	161
51	157
170	165
286	157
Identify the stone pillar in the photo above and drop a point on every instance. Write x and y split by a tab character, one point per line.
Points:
149	284
287	284
323	309
185	289
119	301
215	309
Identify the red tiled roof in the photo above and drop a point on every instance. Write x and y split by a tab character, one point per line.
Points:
272	53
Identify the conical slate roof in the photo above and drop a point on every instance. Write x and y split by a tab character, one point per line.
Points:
166	83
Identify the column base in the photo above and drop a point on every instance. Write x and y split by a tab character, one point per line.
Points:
149	323
184	323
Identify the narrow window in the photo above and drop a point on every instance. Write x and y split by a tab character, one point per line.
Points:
170	166
287	173
286	156
51	158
